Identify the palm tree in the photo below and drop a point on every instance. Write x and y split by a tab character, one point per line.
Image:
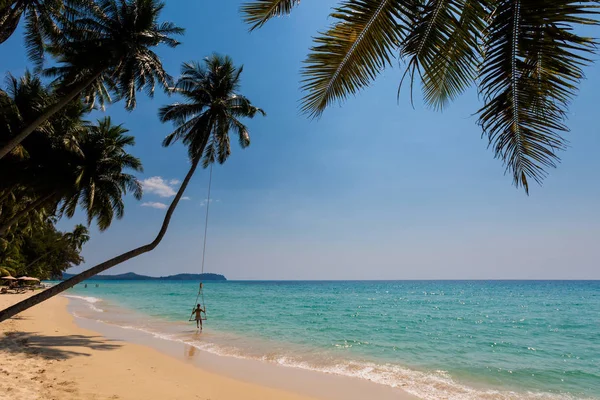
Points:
106	47
99	180
75	240
40	15
4	271
79	236
212	109
94	177
22	101
525	56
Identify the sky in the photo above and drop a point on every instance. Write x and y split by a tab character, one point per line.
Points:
374	189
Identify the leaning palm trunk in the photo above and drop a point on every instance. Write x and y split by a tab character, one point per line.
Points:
9	20
50	111
54	290
34	205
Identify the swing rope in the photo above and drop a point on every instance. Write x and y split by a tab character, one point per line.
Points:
206	217
200	291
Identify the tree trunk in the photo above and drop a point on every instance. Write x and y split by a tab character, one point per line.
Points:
54	290
50	111
9	20
5	226
38	259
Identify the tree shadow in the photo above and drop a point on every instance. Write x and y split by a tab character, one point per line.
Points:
19	317
53	347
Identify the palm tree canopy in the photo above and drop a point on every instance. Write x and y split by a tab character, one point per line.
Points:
98	174
78	237
212	108
113	40
22	101
32	164
41	17
66	160
525	56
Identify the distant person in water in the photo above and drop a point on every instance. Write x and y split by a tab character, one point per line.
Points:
198	316
85	285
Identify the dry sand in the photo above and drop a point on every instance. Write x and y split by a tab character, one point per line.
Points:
44	354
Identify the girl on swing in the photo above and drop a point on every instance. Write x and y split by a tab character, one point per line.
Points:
198	317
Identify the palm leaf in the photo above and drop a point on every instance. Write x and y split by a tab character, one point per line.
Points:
531	67
349	56
258	12
442	47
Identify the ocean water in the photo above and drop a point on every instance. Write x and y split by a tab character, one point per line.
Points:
434	339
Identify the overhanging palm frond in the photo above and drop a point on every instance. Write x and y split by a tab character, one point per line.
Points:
349	55
258	12
41	25
442	47
531	67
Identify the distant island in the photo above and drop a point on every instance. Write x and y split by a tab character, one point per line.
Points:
131	276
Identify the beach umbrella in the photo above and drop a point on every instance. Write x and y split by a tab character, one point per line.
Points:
28	278
9	278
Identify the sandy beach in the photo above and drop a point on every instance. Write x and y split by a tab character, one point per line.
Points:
46	355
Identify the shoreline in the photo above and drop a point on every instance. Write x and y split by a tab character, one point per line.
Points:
50	354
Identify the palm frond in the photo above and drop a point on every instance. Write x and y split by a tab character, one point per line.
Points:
349	56
242	131
203	122
258	12
532	64
442	47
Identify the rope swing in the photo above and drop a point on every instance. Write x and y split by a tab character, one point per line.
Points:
201	286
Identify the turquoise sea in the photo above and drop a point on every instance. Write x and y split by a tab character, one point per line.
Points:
435	339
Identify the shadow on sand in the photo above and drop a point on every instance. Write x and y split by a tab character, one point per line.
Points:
53	347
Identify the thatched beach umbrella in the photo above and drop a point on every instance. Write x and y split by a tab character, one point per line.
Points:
9	278
28	278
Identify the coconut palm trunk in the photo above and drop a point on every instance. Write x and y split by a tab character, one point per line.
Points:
54	290
50	111
9	20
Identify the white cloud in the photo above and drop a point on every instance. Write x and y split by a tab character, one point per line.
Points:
185	198
159	186
174	182
154	204
203	202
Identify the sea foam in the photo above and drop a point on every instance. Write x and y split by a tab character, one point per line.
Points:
89	300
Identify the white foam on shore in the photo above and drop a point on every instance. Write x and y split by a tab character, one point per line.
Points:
433	385
425	385
88	299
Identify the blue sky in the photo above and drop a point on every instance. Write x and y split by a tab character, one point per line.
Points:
375	189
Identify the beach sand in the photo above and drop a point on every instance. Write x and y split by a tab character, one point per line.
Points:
44	354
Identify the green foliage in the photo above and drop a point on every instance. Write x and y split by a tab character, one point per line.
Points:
101	48
41	21
44	253
66	162
212	108
260	11
525	56
531	67
349	56
113	40
99	183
